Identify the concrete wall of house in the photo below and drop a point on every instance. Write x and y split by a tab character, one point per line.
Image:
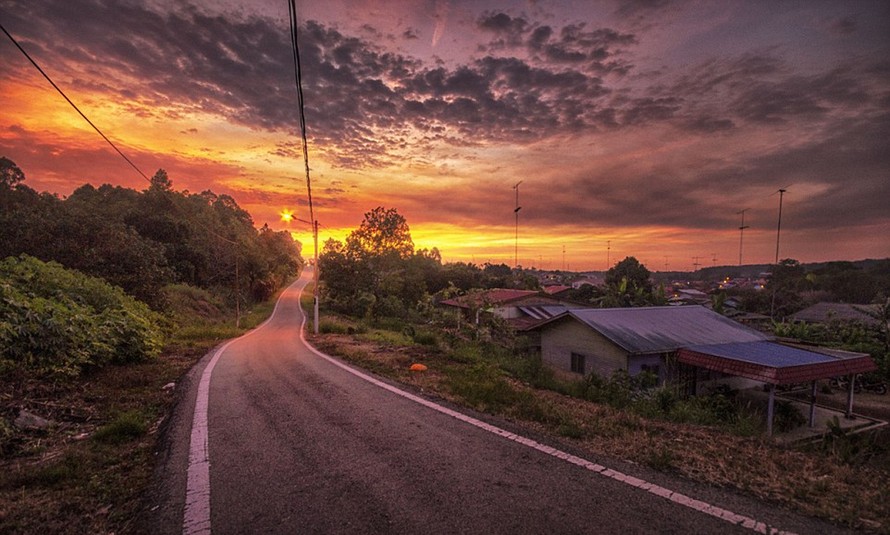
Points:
563	338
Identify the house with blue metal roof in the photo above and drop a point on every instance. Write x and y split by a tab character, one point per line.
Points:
690	346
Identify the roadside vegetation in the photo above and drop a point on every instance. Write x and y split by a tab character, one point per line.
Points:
107	298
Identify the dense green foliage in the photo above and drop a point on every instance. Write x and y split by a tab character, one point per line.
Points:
142	241
377	272
56	321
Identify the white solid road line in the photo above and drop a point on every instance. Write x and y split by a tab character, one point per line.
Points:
196	517
197	508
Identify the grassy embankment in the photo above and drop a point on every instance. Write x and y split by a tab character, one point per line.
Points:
87	472
718	441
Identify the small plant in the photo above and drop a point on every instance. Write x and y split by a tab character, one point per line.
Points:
787	416
661	459
331	327
125	427
426	338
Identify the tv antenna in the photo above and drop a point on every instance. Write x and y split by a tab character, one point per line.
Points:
516	213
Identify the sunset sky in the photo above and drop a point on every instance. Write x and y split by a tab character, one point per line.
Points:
638	128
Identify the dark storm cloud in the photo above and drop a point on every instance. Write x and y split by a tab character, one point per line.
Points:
843	25
572	45
365	105
839	181
362	103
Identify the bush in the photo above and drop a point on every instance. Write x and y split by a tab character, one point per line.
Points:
426	338
60	322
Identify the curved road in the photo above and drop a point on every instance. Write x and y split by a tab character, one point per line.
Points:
299	444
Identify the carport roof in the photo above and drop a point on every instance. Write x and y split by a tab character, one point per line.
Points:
775	363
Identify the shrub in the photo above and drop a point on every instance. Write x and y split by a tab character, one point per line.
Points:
787	416
60	322
125	427
426	338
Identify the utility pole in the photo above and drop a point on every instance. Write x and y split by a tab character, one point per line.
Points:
714	259
237	294
779	226
772	306
516	213
695	263
742	228
563	257
315	278
666	262
608	254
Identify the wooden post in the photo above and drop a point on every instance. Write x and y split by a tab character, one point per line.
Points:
770	409
850	384
813	405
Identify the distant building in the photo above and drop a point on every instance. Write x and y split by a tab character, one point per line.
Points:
689	296
840	312
520	308
556	290
589	280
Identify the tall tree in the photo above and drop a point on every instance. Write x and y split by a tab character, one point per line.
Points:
628	283
383	232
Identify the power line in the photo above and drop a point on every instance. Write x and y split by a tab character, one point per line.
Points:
292	11
298	78
96	128
73	105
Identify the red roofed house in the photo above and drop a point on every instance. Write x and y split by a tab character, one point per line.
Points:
521	308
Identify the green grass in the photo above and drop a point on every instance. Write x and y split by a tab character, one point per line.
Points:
125	427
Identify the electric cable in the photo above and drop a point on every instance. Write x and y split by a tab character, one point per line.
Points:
73	105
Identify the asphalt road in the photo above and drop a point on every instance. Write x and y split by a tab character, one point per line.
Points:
299	445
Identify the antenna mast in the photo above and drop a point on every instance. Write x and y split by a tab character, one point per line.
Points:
742	228
516	213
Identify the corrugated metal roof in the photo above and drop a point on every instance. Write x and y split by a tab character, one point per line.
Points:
662	329
541	312
775	363
764	354
827	312
496	296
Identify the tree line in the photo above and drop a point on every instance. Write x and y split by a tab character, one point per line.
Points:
378	273
144	240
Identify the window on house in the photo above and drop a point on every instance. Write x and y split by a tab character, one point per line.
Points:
577	363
